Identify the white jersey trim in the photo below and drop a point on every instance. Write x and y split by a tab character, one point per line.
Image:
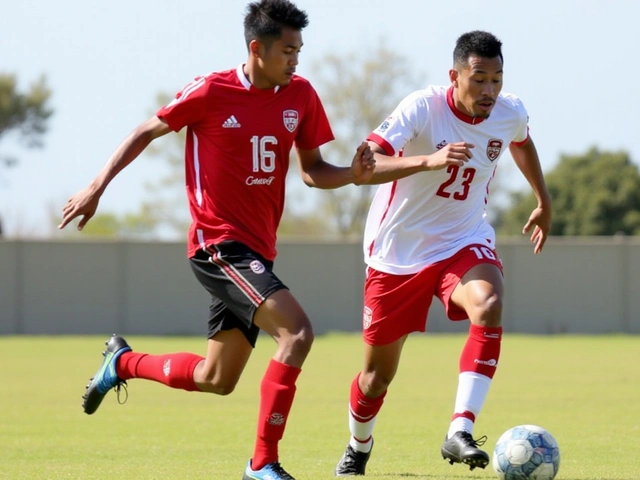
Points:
242	78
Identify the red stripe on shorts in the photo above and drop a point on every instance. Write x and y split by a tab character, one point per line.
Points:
240	282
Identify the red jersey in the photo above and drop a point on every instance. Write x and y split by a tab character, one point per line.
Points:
237	154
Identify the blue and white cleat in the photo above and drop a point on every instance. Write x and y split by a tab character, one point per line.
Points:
106	378
271	471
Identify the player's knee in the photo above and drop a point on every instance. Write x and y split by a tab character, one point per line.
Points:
224	389
301	341
295	346
488	310
218	387
374	384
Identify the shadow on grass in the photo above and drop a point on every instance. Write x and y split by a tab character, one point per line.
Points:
470	476
425	475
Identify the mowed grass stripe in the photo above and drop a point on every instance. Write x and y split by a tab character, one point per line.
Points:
584	389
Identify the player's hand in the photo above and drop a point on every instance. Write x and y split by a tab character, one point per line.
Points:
84	203
363	164
457	153
541	218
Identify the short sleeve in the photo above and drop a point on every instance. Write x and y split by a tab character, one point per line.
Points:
314	128
403	125
522	129
188	107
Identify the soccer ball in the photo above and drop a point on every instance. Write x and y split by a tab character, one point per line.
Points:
526	452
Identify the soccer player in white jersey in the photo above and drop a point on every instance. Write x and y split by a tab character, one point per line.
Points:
241	125
427	235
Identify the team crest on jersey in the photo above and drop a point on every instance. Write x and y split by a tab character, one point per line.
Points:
290	119
494	147
385	125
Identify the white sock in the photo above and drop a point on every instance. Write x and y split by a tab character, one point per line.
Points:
358	446
472	392
361	433
460	424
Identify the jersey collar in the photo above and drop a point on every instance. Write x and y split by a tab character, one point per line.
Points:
242	78
462	116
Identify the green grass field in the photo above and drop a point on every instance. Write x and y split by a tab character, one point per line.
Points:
584	390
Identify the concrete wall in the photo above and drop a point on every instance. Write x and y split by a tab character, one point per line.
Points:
587	285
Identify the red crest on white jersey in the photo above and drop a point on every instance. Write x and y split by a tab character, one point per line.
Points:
290	119
494	146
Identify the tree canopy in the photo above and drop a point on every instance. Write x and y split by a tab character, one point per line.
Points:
358	92
25	113
595	193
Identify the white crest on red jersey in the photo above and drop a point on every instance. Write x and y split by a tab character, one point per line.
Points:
494	146
290	119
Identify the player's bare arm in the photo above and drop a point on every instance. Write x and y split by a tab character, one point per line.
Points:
526	158
317	173
389	168
85	202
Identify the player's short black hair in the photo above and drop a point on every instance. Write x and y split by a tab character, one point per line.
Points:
265	20
478	43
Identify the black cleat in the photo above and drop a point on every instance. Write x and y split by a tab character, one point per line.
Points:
352	462
462	448
106	378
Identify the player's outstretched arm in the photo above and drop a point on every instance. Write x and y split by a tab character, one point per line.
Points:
85	202
389	169
526	158
317	173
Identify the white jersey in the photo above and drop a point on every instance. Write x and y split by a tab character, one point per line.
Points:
427	217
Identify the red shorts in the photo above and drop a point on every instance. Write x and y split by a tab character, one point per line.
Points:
396	305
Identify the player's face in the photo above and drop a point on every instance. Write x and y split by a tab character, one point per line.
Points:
280	59
477	85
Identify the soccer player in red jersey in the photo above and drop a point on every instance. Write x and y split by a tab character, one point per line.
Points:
241	125
427	235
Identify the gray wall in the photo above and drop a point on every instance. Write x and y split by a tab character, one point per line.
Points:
579	285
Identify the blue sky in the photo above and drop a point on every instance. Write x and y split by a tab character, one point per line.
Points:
573	63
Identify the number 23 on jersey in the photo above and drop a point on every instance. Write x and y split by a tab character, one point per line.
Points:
459	191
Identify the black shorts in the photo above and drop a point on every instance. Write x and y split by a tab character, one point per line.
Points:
239	280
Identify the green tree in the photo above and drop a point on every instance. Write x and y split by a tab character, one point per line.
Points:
358	92
129	225
596	193
23	113
165	211
167	200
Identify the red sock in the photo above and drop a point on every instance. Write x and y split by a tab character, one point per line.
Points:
362	407
174	369
277	390
482	350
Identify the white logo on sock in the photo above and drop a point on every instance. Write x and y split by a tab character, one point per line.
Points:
276	419
492	362
166	367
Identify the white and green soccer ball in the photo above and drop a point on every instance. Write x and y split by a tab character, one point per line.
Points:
526	452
